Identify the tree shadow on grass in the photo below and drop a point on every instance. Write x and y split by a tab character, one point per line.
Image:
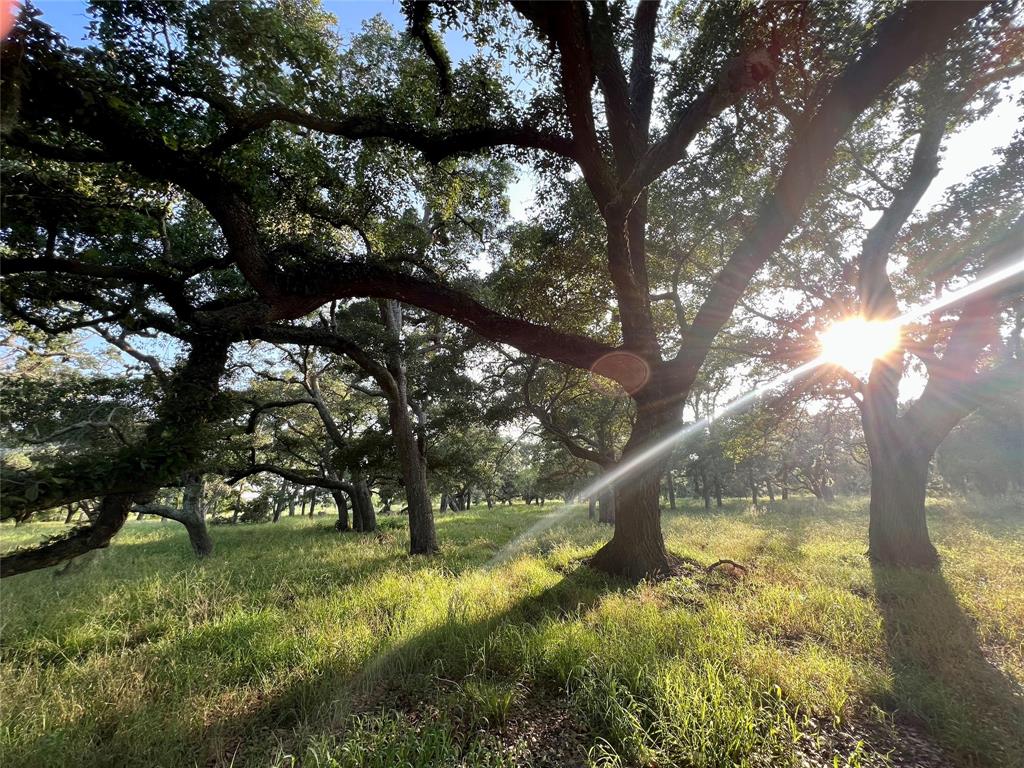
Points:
315	702
942	678
411	677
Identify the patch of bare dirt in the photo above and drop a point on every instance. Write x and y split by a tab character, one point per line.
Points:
894	744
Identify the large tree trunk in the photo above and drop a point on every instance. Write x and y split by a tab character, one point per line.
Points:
364	518
898	528
637	548
193	515
606	507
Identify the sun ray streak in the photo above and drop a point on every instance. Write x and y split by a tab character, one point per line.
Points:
680	436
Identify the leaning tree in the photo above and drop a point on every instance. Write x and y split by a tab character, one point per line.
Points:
189	96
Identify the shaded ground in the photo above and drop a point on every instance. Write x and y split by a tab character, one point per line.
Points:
297	645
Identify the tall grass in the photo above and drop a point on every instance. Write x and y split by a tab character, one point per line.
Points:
296	645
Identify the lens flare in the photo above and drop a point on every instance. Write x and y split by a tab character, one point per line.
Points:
855	343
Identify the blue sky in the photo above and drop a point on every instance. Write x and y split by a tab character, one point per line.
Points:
70	18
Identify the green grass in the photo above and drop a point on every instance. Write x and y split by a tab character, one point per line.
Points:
297	645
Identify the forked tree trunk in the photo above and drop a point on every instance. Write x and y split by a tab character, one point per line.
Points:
637	548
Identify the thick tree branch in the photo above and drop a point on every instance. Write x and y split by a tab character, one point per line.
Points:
902	39
96	534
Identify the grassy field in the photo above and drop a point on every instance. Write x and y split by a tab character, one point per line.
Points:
295	645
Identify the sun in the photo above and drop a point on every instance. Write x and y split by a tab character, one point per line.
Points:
855	343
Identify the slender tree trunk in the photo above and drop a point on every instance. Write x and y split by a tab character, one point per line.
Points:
705	484
771	489
422	535
70	514
671	490
410	448
718	492
753	487
592	505
280	499
312	502
784	480
341	504
637	548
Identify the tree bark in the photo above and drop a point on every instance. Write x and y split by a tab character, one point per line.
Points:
342	505
364	518
193	515
409	446
898	527
113	513
637	547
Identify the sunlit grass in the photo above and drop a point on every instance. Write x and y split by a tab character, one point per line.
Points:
295	642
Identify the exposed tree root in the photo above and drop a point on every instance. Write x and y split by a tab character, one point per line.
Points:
724	561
